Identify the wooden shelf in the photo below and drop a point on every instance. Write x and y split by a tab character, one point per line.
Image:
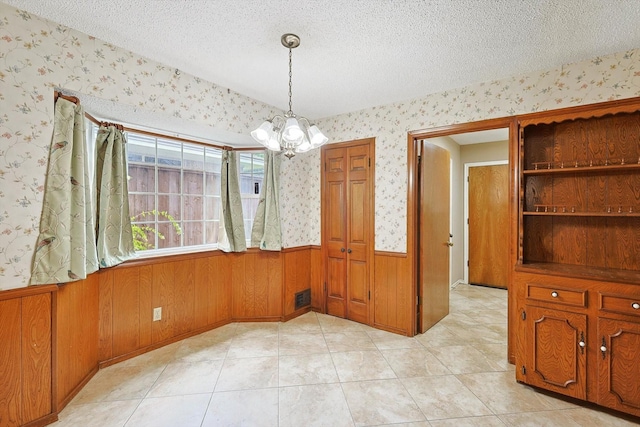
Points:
581	271
585	214
583	169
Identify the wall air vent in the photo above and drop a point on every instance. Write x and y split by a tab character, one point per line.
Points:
303	298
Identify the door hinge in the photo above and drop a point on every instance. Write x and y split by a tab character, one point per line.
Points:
467	221
369	161
523	370
325	287
467	178
524	315
325	166
418	300
419	158
369	294
467	263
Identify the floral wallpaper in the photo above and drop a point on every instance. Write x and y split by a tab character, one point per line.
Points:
37	56
600	79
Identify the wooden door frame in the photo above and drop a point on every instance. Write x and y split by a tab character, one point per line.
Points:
465	208
412	202
371	250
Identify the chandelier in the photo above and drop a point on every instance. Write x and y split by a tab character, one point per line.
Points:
289	133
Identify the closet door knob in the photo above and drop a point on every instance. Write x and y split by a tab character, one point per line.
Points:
341	249
635	306
348	251
554	294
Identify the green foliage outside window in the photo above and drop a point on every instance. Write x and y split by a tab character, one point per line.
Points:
141	232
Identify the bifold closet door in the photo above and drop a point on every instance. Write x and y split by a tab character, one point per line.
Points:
347	233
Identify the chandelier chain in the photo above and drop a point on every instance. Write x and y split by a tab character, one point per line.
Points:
290	74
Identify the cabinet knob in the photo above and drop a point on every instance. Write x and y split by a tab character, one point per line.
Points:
603	349
635	306
582	344
349	250
342	249
554	294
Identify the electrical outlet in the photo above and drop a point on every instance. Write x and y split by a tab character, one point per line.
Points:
157	314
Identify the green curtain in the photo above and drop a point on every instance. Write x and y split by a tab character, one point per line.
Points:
66	250
115	238
266	233
232	238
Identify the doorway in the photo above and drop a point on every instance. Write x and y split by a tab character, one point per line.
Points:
453	133
486	236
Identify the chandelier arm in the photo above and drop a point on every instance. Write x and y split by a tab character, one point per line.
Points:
290	75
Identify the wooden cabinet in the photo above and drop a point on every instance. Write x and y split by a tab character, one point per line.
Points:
618	367
577	276
348	228
557	358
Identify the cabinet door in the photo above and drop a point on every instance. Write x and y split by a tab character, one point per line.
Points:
618	367
556	359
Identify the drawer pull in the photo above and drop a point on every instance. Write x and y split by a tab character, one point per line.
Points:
635	305
554	294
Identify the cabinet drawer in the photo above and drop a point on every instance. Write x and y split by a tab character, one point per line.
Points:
573	297
620	304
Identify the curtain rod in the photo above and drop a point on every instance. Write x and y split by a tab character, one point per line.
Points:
57	95
160	135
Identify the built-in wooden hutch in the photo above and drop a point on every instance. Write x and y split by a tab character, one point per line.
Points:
576	280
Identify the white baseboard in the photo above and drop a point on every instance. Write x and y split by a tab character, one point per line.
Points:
456	283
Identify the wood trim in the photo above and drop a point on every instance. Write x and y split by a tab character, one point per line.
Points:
55	408
139	262
372	229
390	329
514	192
391	254
299	312
28	291
597	109
412	225
155	346
46	420
74	392
194	255
500	122
297	248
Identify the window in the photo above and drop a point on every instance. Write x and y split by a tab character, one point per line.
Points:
174	191
251	171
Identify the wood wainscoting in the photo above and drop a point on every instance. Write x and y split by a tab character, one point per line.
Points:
55	337
196	292
76	337
392	296
27	375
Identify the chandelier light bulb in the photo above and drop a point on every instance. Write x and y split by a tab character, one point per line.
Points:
263	133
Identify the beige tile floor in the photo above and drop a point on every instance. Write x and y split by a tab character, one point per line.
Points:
319	370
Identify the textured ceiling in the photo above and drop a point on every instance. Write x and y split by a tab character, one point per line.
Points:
354	53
